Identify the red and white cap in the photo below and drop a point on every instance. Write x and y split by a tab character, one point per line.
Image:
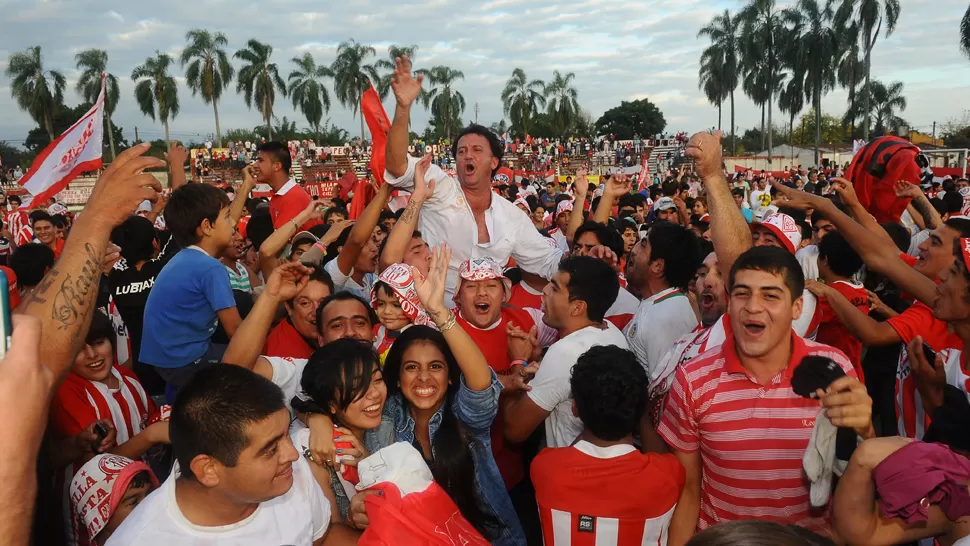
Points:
98	488
401	280
965	250
784	228
483	269
57	208
564	206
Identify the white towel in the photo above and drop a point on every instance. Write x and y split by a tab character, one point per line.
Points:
819	459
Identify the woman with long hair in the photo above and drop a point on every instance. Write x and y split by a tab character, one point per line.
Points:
443	398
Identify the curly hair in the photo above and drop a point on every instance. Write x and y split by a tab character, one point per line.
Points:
610	389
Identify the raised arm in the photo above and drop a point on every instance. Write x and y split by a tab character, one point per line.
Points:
239	204
176	158
362	230
270	250
64	300
729	230
931	217
403	230
617	186
846	191
576	216
406	89
875	253
431	292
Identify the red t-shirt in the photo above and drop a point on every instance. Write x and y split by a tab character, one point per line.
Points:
832	332
523	297
58	248
285	341
610	496
285	207
494	344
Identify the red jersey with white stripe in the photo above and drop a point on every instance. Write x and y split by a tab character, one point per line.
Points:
525	297
751	437
832	332
911	419
605	496
957	369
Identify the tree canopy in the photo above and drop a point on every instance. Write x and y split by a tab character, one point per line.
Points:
640	117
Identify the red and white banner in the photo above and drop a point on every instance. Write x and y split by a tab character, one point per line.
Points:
323	190
76	151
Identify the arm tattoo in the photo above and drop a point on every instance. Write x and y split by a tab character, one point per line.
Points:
923	207
410	213
72	302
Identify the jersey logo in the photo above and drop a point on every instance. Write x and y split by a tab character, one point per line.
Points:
586	524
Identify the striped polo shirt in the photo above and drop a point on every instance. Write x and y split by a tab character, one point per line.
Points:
751	437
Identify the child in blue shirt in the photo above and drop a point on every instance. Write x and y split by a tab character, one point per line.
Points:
192	291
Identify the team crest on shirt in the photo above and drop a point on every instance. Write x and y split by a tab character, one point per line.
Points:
586	524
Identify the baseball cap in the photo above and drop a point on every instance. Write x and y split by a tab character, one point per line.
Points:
303	237
664	203
482	269
784	228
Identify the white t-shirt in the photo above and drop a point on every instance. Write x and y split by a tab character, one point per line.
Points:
346	283
808	258
759	200
298	517
287	374
550	388
660	321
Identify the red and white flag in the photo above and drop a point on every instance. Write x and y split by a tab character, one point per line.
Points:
76	151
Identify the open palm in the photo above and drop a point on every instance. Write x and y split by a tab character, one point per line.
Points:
431	289
406	87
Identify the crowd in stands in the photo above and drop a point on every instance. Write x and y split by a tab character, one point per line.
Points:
695	358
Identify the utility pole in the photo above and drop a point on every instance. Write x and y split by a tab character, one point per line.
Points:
476	113
136	134
934	133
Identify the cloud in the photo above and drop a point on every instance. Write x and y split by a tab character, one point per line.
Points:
618	51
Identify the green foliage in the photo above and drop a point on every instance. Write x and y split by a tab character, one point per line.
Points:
37	91
37	138
259	79
13	156
640	116
833	131
353	75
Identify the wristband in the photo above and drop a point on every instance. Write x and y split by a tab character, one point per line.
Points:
320	246
515	362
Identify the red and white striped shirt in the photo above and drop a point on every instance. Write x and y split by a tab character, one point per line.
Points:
751	437
605	496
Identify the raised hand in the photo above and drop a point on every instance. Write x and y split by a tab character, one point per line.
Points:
287	281
846	191
177	155
423	188
431	289
111	256
582	183
798	199
406	87
618	185
123	186
705	149
820	290
313	211
907	189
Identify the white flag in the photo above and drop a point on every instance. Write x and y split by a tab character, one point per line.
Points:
76	151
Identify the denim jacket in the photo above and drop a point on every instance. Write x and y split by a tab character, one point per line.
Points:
476	410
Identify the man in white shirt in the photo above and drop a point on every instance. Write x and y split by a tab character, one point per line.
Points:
575	303
659	269
465	213
238	479
759	199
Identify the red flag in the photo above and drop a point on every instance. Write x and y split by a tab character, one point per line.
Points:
363	193
378	124
77	150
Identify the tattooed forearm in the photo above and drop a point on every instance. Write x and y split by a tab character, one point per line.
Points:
410	212
73	301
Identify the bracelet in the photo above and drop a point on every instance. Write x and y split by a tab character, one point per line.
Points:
320	246
295	225
449	324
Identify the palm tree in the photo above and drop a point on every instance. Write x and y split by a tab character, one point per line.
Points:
522	99
884	103
393	52
156	90
965	33
849	65
93	63
563	106
40	92
210	71
791	100
445	102
259	80
761	33
814	47
710	79
723	33
307	91
353	76
870	15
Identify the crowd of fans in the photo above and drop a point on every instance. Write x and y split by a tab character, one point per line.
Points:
698	360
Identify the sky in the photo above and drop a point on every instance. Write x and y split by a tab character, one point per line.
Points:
618	50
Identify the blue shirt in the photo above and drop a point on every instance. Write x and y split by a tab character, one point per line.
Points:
748	216
476	410
180	316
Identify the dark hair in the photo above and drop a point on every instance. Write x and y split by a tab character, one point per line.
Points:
900	235
39	216
677	247
343	296
140	479
135	236
188	206
453	444
59	221
319	274
15	198
669	187
960	225
101	328
939	205
335	210
738	192
757	533
385	216
593	281
30	262
493	142
953	201
259	228
213	410
610	389
337	374
773	260
841	258
606	235
279	152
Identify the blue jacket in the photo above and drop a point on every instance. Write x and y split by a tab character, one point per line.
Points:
476	410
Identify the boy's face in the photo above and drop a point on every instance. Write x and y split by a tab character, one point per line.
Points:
222	230
132	498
